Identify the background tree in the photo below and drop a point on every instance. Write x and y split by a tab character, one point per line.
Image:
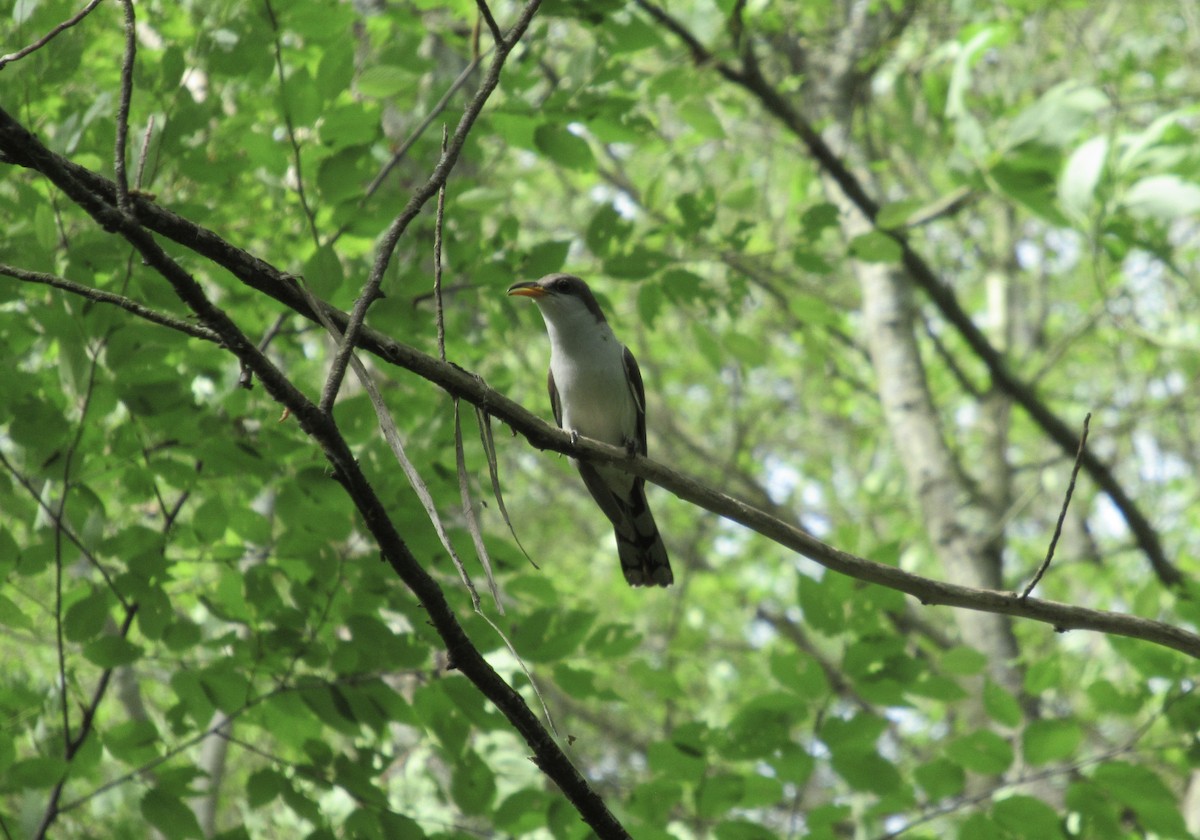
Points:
878	261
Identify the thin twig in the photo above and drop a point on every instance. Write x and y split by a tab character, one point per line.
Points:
89	188
128	304
370	290
415	135
439	312
5	60
750	78
289	126
120	148
36	495
548	754
144	153
1062	514
497	35
85	729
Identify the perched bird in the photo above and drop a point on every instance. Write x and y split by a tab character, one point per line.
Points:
596	391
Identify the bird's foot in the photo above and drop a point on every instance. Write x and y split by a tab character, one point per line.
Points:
574	437
631	447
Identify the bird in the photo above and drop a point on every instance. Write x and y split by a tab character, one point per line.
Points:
596	391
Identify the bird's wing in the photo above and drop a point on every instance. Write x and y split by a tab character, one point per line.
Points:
633	375
555	402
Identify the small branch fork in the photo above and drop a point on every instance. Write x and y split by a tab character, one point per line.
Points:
5	60
370	291
750	78
25	150
1062	514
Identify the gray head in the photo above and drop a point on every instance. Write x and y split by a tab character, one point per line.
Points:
559	291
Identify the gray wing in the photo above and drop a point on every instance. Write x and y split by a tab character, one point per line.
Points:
633	375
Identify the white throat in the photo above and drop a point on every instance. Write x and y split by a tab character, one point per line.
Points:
589	372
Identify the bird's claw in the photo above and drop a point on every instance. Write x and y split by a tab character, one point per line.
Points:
574	437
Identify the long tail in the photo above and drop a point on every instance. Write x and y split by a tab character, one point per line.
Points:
643	555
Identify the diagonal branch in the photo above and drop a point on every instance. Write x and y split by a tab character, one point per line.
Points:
85	729
5	60
441	172
750	78
100	296
317	424
258	274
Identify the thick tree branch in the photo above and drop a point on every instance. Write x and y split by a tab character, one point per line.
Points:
18	143
749	77
260	275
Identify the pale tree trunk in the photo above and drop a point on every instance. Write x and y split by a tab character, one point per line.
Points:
963	523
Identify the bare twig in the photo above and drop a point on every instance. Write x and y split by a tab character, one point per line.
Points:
549	757
289	126
144	154
750	78
412	138
36	495
128	304
439	312
25	150
120	148
85	729
441	172
5	60
1062	514
486	13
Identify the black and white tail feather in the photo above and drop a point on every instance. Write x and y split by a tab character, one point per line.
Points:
643	556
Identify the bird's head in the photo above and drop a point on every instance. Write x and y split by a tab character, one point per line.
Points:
560	296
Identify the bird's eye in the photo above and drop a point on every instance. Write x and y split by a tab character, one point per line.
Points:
560	285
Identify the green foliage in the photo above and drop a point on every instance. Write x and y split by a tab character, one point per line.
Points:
180	566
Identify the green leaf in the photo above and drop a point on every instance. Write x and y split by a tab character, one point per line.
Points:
1049	740
1081	176
800	673
169	815
565	148
682	758
1001	706
876	247
718	794
940	778
548	635
111	651
760	726
1024	816
12	616
823	602
962	661
545	258
1141	790
132	741
472	784
263	786
385	81
981	752
636	264
1163	197
654	801
895	214
41	772
740	829
866	770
